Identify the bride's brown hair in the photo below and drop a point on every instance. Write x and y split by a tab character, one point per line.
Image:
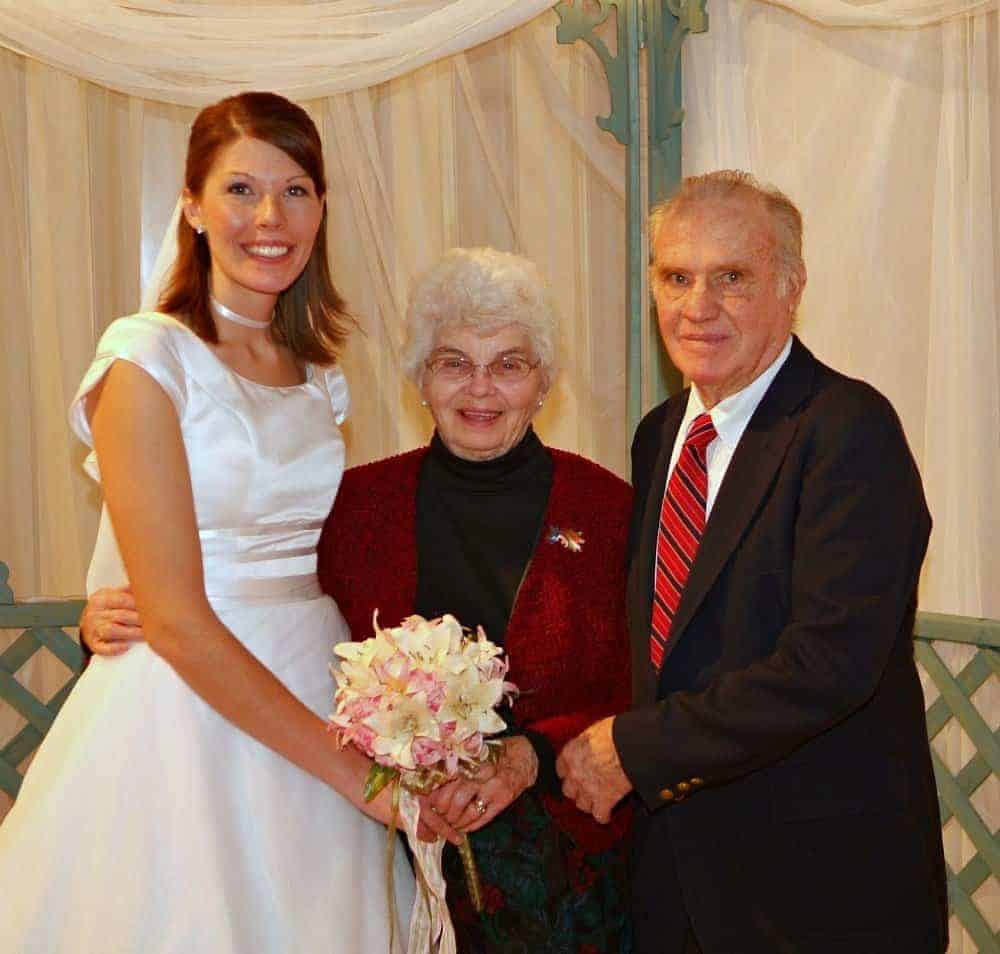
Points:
310	316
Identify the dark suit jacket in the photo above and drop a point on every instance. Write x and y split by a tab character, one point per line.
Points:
781	755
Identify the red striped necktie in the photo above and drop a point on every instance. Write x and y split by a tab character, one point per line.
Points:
682	522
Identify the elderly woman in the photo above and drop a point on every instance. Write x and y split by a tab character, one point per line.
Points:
489	524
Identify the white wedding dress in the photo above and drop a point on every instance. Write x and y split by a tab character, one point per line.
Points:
147	824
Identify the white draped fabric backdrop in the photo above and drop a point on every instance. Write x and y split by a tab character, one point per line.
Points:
464	123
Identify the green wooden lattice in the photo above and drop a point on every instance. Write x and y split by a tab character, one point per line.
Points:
41	625
956	791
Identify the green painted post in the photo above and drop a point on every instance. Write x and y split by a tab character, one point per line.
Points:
660	26
668	24
623	122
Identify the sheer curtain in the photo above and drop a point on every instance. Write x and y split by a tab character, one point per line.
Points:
887	139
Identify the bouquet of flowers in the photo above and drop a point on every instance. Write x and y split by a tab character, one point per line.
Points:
420	700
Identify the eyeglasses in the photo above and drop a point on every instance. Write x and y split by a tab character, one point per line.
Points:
505	369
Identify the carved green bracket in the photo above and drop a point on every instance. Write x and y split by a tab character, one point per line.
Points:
659	26
575	23
689	16
41	629
669	26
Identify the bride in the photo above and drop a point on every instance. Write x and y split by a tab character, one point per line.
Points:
189	797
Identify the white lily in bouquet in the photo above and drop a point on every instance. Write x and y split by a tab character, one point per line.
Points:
420	699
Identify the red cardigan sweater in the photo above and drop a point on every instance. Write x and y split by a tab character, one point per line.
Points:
566	641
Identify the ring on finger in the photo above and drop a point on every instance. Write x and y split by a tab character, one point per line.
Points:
481	806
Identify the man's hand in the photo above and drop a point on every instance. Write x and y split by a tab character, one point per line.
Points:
591	772
110	623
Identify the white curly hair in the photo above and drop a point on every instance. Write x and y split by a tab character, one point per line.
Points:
483	289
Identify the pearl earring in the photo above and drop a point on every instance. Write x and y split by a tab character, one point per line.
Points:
200	230
540	403
423	404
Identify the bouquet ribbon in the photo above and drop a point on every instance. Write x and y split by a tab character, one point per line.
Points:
431	931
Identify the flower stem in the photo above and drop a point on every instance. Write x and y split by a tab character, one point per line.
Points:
471	873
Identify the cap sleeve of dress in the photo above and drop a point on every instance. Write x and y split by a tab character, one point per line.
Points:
146	340
336	386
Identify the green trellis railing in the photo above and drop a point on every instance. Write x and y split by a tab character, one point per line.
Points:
955	702
40	628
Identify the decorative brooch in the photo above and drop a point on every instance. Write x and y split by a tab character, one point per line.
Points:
572	540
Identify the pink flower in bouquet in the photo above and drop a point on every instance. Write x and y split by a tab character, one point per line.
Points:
428	752
432	688
474	746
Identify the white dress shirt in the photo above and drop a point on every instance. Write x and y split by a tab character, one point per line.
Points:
730	417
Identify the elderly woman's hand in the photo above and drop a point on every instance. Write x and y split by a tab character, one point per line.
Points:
469	803
110	623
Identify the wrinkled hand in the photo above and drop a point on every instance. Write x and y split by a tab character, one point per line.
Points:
110	623
592	775
467	804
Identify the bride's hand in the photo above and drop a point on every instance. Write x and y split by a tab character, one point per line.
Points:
430	827
110	623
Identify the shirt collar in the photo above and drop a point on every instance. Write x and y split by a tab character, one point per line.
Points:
732	414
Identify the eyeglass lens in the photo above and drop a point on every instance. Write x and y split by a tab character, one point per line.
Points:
509	367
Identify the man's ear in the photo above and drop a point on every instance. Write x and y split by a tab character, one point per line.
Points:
796	286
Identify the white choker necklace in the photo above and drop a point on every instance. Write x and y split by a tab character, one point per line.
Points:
223	312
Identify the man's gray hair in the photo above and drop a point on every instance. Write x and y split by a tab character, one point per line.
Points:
483	289
786	220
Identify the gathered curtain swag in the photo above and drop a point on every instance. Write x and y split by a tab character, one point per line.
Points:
191	53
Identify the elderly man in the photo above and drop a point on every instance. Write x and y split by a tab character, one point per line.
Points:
778	745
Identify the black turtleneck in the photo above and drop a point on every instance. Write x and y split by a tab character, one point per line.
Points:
478	522
477	526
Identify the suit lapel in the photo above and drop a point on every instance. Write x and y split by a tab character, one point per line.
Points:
750	475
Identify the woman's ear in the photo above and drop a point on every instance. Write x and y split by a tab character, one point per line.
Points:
192	211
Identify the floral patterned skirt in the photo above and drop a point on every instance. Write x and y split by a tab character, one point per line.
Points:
542	893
